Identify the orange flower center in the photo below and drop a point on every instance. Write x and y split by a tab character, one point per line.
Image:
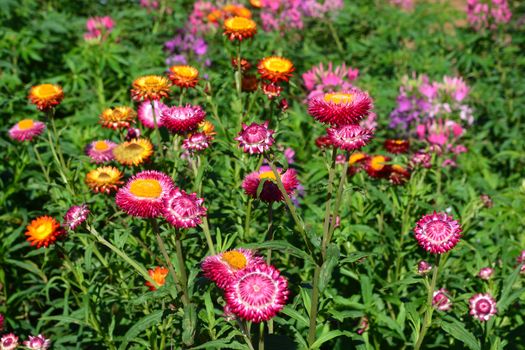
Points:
147	188
239	24
133	150
378	162
356	157
339	97
104	176
25	124
43	230
101	146
278	65
185	71
398	168
267	175
236	260
45	90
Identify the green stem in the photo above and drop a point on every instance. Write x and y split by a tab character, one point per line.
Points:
157	130
312	329
270	232
182	269
57	160
248	218
181	96
333	31
427	321
45	171
327	213
207	234
238	83
338	200
261	336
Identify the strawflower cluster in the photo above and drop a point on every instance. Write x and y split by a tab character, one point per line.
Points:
488	14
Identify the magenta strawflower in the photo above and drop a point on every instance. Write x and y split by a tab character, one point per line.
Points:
75	216
441	301
223	268
37	343
270	192
145	113
437	233
258	293
9	342
349	137
482	306
143	195
340	108
183	210
26	130
423	268
101	151
198	141
486	273
256	138
181	119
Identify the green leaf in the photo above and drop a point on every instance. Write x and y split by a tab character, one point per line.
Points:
456	329
140	326
188	324
332	257
301	319
221	344
506	298
326	337
354	256
281	246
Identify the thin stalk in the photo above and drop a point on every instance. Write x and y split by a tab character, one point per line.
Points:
261	336
238	82
338	200
333	31
248	218
45	171
327	214
182	269
181	96
270	232
427	321
157	130
207	234
313	307
57	161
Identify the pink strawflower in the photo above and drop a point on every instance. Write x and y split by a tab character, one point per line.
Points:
37	343
488	15
270	192
181	119
482	306
486	273
101	151
340	108
456	87
183	210
75	216
441	301
256	138
423	268
364	325
319	79
98	28
223	268
153	4
437	233
26	129
198	141
143	195
349	137
421	158
258	293
145	113
9	342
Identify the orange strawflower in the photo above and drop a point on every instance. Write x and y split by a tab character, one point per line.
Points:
118	117
44	231
256	3
236	10
104	179
275	69
150	87
134	152
158	274
184	76
46	96
239	28
207	128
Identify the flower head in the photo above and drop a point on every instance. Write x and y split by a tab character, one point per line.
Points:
207	128
46	96
75	216
441	301
486	273
398	174
134	152
182	119
143	195
258	293
340	108
117	118
239	28
37	343
437	233
196	142
397	146
44	231
377	167
275	69
349	137
9	342
184	76
158	274
101	151
323	141
423	268
145	113
183	210
270	192
356	162
482	306
255	138
150	87
26	129
271	90
105	179
223	268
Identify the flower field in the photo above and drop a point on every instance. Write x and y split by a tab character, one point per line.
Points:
262	174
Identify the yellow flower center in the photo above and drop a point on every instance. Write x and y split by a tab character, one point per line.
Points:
147	188
104	176
338	97
45	90
356	157
278	65
133	150
239	23
267	175
236	260
25	124
398	168
101	146
43	230
185	71
378	162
